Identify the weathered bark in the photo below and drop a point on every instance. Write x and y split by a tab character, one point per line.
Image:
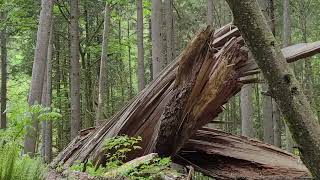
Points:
140	75
75	68
210	12
158	62
283	85
247	111
224	156
4	72
38	71
102	92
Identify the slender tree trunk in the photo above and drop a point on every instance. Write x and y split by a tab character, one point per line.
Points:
102	94
210	12
276	124
75	68
130	63
284	86
158	62
247	113
4	74
48	98
169	30
38	71
58	76
287	42
141	79
150	51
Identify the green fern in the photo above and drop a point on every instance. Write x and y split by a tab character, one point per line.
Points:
16	167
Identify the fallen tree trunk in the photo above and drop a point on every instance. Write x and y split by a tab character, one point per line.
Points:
225	156
188	94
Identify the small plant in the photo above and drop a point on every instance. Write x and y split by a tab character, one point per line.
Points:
16	167
116	149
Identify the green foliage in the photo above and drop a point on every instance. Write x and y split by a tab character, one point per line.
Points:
116	149
20	117
16	167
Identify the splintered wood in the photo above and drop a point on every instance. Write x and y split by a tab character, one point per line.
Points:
187	95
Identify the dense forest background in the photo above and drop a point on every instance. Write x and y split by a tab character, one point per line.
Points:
131	62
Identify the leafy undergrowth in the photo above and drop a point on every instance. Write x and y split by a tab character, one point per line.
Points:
115	150
13	166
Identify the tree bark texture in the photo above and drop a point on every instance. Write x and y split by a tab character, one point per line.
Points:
247	111
283	85
169	30
210	12
141	78
158	61
38	70
46	101
102	92
75	68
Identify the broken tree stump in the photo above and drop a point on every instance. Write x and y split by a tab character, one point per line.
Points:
187	94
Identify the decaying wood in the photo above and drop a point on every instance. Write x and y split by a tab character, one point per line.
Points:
186	95
225	156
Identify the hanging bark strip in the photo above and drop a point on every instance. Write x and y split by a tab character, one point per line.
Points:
185	96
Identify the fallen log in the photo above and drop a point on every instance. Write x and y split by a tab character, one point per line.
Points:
224	156
187	94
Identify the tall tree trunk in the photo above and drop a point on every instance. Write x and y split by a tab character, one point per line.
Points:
46	101
150	50
169	30
287	42
284	86
129	59
210	12
158	62
102	94
4	73
38	71
75	68
141	79
58	76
